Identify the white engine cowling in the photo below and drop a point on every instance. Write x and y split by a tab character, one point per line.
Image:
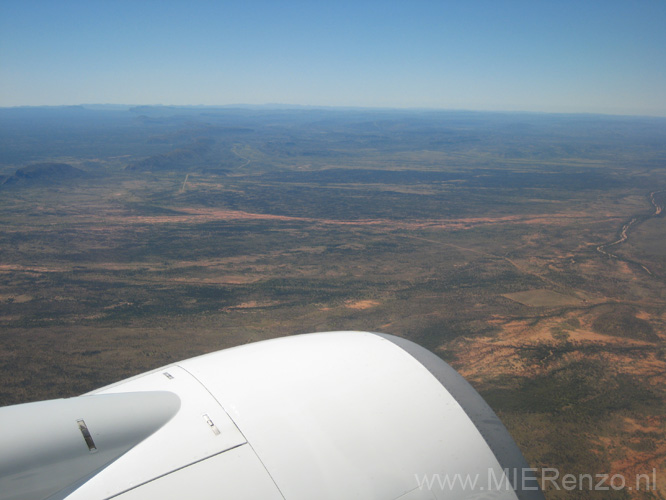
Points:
339	415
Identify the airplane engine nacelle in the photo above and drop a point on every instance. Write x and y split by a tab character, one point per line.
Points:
340	415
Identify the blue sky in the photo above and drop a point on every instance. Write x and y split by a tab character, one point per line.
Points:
554	56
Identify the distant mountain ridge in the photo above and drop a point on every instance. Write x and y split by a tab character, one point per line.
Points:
177	159
44	173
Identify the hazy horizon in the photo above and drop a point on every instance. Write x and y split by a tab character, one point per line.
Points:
314	107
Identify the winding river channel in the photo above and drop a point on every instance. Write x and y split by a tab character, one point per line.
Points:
633	223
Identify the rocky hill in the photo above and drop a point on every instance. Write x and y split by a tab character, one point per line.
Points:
44	173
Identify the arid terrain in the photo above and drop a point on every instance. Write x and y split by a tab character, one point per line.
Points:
526	250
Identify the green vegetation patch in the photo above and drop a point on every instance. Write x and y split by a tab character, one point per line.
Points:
621	321
579	389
